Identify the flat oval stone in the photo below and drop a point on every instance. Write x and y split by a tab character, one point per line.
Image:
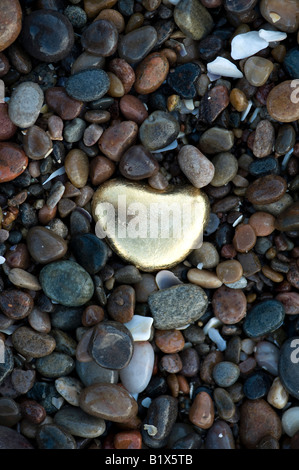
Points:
78	423
7	127
162	414
257	385
158	130
10	22
264	318
290	301
108	401
55	365
266	189
111	345
117	139
25	104
72	285
264	139
66	107
11	439
44	245
134	46
47	35
31	343
282	104
229	305
37	143
77	167
138	163
198	169
151	73
51	436
257	420
13	161
100	38
90	252
136	375
141	253
193	19
177	306
69	388
284	16
88	85
288	366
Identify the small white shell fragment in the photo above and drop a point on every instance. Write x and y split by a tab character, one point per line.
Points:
171	146
272	36
238	220
290	421
246	111
247	44
182	327
58	172
212	323
199	266
57	402
134	395
286	159
146	402
2	259
189	104
165	279
224	67
216	337
151	429
213	76
140	327
240	284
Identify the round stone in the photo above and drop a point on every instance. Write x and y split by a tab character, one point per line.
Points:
78	423
162	414
282	104
197	168
111	345
202	411
264	318
67	283
88	85
55	365
288	366
66	107
220	436
151	73
226	373
136	375
262	223
264	139
47	35
229	305
266	189
13	161
257	70
25	104
244	238
10	22
158	130
37	143
109	402
100	38
138	163
133	109
282	16
118	138
257	385
16	304
44	245
229	271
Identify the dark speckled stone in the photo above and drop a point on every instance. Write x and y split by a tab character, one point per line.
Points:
51	436
162	414
183	78
264	318
88	85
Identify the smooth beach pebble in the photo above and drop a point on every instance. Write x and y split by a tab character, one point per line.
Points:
162	415
134	46
78	423
138	163
77	167
109	402
7	127
121	304
136	375
44	245
117	139
10	22
37	143
100	38
66	107
133	109
204	278
245	238
288	219
31	343
151	73
229	305
266	189
198	169
229	271
280	104
13	161
264	318
158	130
193	19
262	223
88	85
202	411
25	104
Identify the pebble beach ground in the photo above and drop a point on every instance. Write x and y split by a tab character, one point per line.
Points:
142	342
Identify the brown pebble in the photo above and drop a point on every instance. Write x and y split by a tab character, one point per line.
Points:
59	101
244	238
158	181
229	305
124	72
114	16
121	303
7	127
18	256
204	278
92	315
46	214
77	167
183	384
138	163
151	73
13	161
271	274
133	109
229	271
207	366
55	127
238	99
202	412
266	189
169	341
116	89
128	440
264	139
92	134
171	363
262	223
196	166
16	304
39	320
33	411
290	301
257	420
44	245
173	384
117	139
10	22
101	169
282	103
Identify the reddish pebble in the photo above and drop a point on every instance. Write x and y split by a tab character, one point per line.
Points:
290	301
59	101
169	341
133	109
266	189
46	214
151	73
244	239
18	256
117	139
4	65
124	72
128	440
262	223
92	315
33	411
101	169
13	161
16	304
229	305
7	127
202	412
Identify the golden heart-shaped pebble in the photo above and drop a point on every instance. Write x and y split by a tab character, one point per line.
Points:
149	228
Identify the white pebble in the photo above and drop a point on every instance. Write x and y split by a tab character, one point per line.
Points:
277	395
2	259
137	374
225	68
140	327
246	111
290	421
216	337
272	36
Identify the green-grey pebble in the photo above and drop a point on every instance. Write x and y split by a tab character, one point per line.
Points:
226	373
55	365
193	19
78	423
